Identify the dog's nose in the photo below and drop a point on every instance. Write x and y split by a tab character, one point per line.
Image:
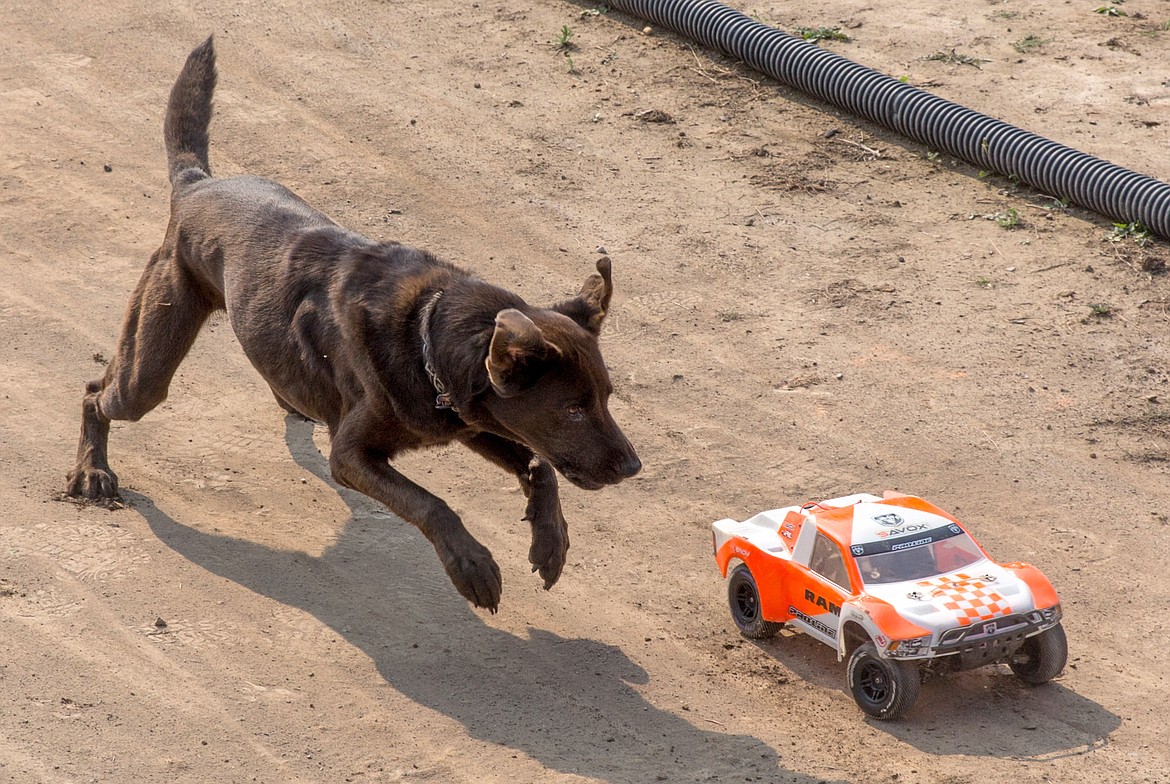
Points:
630	466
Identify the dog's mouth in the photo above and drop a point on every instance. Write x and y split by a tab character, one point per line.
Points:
590	475
583	482
595	480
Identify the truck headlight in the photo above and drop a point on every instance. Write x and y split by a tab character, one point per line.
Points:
1046	617
915	646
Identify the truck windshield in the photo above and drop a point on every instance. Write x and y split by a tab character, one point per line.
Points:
919	563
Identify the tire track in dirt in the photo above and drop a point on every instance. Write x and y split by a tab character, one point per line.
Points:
90	553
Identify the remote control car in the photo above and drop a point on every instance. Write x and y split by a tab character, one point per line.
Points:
897	586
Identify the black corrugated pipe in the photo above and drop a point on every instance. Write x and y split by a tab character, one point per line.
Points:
982	141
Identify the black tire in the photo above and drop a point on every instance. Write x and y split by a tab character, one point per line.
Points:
744	600
882	688
1042	656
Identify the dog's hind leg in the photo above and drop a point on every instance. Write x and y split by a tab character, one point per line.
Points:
163	317
550	532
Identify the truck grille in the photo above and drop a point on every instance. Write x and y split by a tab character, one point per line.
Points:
984	630
988	641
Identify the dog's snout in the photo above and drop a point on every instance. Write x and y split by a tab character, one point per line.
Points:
630	465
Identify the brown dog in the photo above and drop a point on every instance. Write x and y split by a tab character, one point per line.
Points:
391	348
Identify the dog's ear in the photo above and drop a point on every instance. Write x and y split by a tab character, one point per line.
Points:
518	353
589	307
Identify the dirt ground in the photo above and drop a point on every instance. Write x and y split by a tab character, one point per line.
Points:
806	306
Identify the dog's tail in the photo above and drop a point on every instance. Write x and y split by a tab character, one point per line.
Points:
189	114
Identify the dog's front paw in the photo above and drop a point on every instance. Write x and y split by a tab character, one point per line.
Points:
92	483
550	547
550	537
474	574
550	532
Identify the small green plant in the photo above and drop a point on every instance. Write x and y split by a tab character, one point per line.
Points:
954	58
1135	231
565	39
1059	205
984	174
815	34
727	316
565	45
1109	10
1100	310
1008	219
933	156
1030	43
983	283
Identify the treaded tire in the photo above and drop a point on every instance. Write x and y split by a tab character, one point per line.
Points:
1042	656
882	688
743	598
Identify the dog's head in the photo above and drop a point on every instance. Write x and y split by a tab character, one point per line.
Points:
551	387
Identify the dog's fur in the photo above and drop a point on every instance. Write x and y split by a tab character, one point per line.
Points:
335	324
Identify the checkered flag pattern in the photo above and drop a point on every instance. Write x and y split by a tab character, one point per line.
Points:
971	598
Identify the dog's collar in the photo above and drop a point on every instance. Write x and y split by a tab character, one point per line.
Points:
442	396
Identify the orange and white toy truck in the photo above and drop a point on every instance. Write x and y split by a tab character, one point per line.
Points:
897	586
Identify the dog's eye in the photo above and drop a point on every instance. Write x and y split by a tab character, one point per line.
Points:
575	412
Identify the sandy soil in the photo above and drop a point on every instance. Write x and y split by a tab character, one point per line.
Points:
799	314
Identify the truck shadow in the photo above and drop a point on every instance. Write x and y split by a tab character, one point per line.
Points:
983	712
568	703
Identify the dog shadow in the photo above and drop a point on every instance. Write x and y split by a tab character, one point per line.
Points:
568	703
982	712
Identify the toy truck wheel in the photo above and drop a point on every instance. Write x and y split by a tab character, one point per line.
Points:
744	600
882	688
1041	657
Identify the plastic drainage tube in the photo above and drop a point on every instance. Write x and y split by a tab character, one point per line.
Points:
982	141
